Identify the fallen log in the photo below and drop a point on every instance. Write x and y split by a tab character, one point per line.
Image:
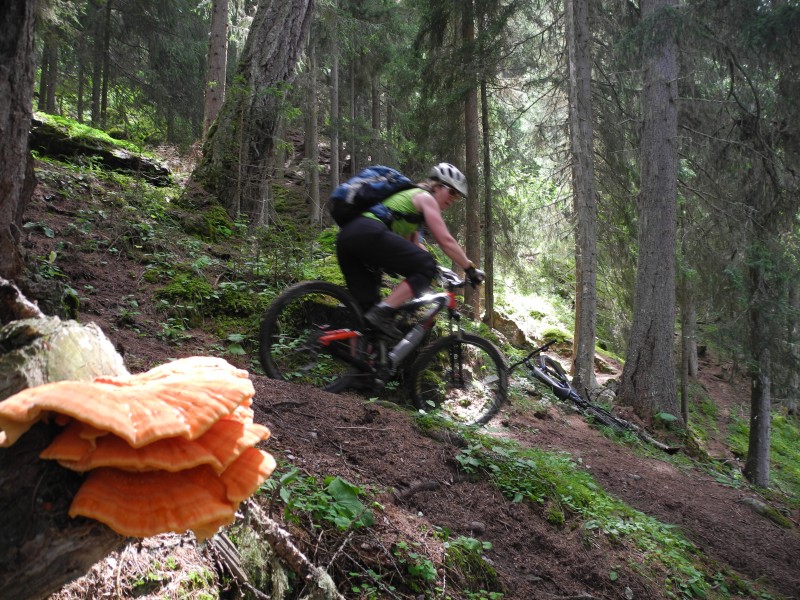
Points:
51	140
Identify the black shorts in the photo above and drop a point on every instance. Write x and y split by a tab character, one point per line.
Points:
366	248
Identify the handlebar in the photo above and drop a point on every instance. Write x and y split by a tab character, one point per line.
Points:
449	278
539	350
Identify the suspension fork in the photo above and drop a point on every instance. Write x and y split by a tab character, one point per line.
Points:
456	364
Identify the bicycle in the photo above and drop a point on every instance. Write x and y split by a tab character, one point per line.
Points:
315	333
550	372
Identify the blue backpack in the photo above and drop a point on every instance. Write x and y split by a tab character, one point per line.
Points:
360	193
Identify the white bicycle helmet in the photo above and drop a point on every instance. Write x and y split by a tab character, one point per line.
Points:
449	175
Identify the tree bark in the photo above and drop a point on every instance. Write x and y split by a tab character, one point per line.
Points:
239	151
334	120
17	76
376	103
648	379
756	467
688	348
49	72
106	64
584	198
354	163
793	344
217	66
488	211
97	58
472	243
312	136
42	547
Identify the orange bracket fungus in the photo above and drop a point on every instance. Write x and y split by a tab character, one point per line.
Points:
172	449
182	398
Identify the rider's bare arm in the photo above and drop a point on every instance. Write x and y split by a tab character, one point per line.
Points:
433	219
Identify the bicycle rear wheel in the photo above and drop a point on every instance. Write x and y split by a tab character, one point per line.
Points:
291	330
461	376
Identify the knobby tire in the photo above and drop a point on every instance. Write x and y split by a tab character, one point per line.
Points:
289	345
462	376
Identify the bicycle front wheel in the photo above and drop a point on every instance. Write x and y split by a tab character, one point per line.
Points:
461	376
292	329
553	368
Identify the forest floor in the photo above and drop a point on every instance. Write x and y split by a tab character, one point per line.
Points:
378	446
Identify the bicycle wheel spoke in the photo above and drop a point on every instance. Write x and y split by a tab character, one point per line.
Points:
292	335
463	379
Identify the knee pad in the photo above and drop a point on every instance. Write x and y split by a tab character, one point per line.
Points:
421	280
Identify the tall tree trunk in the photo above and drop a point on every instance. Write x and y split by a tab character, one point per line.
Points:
584	199
334	120
756	467
648	378
16	91
472	246
312	135
763	323
52	74
81	77
217	65
84	58
97	58
49	73
239	152
488	210
281	154
376	103
793	345
688	326
106	64
687	338
354	166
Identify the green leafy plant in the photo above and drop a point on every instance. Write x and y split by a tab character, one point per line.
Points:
420	570
333	500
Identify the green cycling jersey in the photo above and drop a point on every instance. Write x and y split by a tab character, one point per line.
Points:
406	217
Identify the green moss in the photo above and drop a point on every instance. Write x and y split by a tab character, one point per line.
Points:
234	299
291	201
217	223
466	566
326	269
186	295
77	130
554	333
186	288
555	516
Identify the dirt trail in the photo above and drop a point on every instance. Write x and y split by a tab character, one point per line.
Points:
372	444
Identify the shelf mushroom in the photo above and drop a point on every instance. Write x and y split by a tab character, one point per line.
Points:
82	447
142	504
171	449
183	398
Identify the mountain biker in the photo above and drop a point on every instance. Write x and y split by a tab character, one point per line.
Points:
387	238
